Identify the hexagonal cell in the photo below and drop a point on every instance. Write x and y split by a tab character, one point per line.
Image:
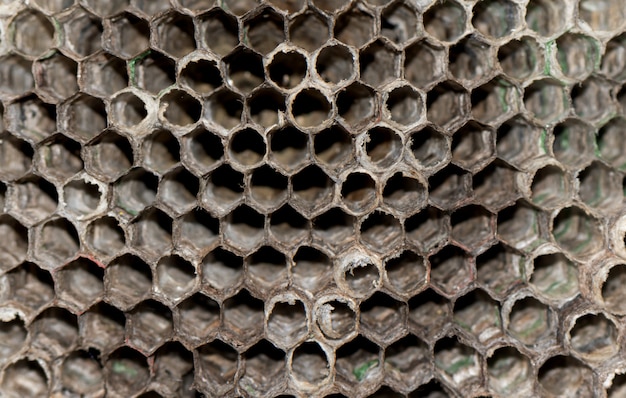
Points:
555	277
500	269
518	226
287	69
202	150
612	294
222	270
244	69
447	104
247	147
546	100
287	322
613	61
178	190
150	8
266	107
574	143
479	314
105	236
83	117
179	108
127	110
594	337
358	193
334	64
152	71
429	148
218	31
58	242
577	55
82	32
174	367
288	226
201	76
312	189
530	321
513	144
310	108
103	75
473	146
127	281
610	144
458	363
149	326
54	331
135	191
126	35
264	367
103	326
152	232
16	74
197	231
354	27
334	228
13	334
381	231
33	199
509	371
565	376
310	365
495	186
162	151
224	108
404	194
289	148
378	64
382	318
174	34
600	187
405	105
358	361
198	318
472	227
496	18
520	58
290	6
398	23
450	270
551	187
546	17
55	77
15	246
311	268
28	286
333	147
108	156
383	147
242	317
223	190
359	275
309	31
605	15
330	6
592	99
267	187
428	229
27	378
58	158
577	232
470	60
406	363
267	269
335	317
265	31
83	198
174	277
53	6
445	21
33	34
244	228
424	63
216	367
79	283
128	371
81	373
449	187
356	104
31	118
495	101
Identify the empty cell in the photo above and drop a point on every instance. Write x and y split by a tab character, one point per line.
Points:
520	58
127	371
224	108
610	143
33	199
149	325
150	8
175	34
450	270
109	156
218	31
613	59
333	147
289	148
407	362
379	64
58	242
55	77
82	374
550	187
565	376
33	34
82	198
265	364
382	318
244	228
128	280
594	337
290	6
447	104
429	148
84	117
310	108
311	188
152	71
266	107
310	365
79	283
31	118
479	314
152	232
428	229
201	76
82	32
472	226
161	151
360	275
54	332
135	191
268	187
178	189
127	110
242	317
216	367
244	70
29	287
445	21
450	187
335	64
577	55
496	18
354	27
424	63
555	277
59	158
603	15
197	231
512	145
471	60
358	192
459	363
173	366
287	68
103	326
13	334
500	270
545	17
612	293
600	187
53	6
103	74
398	23
309	31
267	269
311	268
198	317
25	377
405	105
126	35
287	322
546	100
175	277
383	147
105	236
406	272
473	146
495	186
334	228
358	361
494	101
224	189
574	142
336	318
247	147
265	31
577	232
16	74
330	6
509	371
519	226
356	104
179	108
202	150
592	99
381	232
221	269
288	226
530	321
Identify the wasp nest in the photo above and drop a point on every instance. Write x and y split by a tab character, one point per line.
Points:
312	198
